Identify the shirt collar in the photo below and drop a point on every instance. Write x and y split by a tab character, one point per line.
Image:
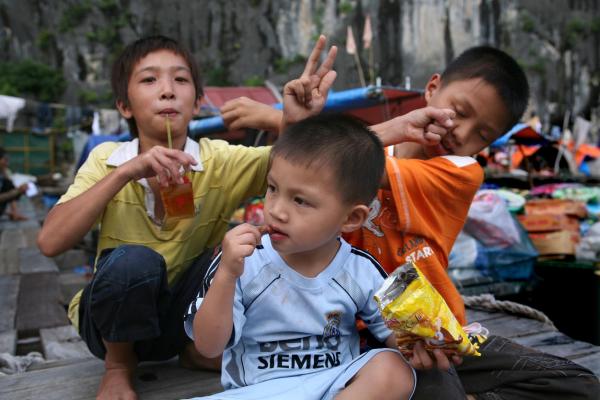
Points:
129	150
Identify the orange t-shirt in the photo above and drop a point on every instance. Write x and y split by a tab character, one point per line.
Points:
420	217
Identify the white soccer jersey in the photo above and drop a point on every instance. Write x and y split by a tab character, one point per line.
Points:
286	324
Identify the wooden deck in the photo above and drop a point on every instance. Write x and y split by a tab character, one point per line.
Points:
34	291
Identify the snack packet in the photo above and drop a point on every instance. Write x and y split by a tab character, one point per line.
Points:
414	310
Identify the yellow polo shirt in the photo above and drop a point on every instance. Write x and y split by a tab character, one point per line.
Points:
225	176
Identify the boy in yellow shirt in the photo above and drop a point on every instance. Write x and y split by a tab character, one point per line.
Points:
148	267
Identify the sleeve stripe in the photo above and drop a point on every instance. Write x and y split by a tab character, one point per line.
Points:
400	186
368	256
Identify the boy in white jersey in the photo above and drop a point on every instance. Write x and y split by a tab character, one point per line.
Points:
281	307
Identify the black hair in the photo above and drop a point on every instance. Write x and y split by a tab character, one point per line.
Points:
133	53
498	69
352	151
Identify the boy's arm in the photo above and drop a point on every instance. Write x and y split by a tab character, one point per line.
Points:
243	112
68	222
213	323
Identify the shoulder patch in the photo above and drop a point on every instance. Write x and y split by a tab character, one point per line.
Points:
460	161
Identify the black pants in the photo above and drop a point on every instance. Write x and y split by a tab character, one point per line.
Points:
509	371
129	300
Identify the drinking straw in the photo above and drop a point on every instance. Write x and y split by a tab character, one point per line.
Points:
169	133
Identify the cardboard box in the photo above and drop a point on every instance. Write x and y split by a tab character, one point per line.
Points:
573	208
548	223
559	242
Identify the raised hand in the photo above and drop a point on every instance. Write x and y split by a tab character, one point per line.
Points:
306	96
166	164
426	126
243	112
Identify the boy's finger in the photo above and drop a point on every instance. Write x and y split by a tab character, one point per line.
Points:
431	138
327	65
441	360
442	116
295	88
327	82
436	129
307	88
313	59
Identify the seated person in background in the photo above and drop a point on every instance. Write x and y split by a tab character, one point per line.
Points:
427	191
282	307
9	194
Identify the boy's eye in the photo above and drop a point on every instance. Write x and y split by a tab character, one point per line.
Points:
300	201
148	79
181	79
270	188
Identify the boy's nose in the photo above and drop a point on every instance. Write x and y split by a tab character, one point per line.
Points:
277	212
167	91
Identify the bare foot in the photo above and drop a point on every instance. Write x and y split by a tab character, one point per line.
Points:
470	397
116	385
189	358
17	217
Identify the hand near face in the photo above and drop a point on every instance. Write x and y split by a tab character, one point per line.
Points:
238	244
247	113
161	162
306	96
426	126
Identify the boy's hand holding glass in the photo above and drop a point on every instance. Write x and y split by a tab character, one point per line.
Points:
177	196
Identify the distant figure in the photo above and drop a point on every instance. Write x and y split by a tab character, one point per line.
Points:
9	194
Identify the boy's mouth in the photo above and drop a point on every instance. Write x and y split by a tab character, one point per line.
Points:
168	112
276	234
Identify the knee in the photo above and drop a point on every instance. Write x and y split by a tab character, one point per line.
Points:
394	376
128	266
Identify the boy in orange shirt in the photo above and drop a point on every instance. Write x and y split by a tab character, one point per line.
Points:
422	207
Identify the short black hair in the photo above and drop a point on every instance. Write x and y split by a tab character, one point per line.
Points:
133	53
352	151
498	69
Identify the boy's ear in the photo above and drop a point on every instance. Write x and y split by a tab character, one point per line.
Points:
356	217
123	109
197	105
434	84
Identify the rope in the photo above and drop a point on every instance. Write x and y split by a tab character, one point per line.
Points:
487	302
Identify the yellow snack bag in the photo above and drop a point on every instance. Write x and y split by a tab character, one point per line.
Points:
414	310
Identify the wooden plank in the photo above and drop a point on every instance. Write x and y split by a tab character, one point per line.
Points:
557	343
31	261
39	304
511	326
63	342
30	235
12	238
9	261
9	292
8	342
480	316
70	284
80	380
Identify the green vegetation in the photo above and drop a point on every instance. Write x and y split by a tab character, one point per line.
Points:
282	65
345	7
527	23
44	40
74	15
254	80
93	97
575	30
217	76
31	79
